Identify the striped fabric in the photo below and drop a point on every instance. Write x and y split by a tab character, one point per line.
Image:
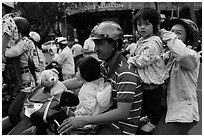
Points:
126	88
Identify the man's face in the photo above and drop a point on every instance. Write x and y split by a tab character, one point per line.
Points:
103	49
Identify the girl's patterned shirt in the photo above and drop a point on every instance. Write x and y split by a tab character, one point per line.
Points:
9	27
148	60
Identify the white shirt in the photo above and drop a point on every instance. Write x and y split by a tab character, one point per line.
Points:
77	49
89	45
66	60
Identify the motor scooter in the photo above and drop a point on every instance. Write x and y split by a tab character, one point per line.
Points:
35	121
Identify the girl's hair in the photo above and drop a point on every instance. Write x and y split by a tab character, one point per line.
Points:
148	14
90	69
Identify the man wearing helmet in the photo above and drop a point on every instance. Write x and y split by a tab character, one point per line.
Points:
65	59
123	115
183	69
22	49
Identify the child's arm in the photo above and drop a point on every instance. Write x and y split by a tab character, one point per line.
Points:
89	106
187	57
149	54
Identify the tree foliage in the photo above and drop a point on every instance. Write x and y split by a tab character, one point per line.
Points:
43	16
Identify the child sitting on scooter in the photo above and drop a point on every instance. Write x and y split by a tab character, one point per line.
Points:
95	94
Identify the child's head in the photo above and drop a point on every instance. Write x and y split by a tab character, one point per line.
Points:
89	69
148	14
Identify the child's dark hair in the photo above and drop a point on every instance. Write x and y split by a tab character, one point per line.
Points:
90	69
148	14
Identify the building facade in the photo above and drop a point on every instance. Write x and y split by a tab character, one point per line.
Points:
81	17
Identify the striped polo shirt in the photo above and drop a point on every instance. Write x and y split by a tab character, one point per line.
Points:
127	89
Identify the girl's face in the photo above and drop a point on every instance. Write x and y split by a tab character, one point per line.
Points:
180	31
145	28
78	75
103	49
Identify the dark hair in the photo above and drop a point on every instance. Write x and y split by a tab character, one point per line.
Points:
23	25
7	8
90	69
148	14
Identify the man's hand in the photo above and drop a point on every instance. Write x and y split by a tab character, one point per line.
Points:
72	123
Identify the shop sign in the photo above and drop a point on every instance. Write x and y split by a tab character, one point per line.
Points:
94	6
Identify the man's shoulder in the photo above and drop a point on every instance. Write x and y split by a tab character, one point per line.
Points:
129	69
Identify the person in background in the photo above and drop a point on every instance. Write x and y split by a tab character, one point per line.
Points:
123	116
88	48
23	49
151	67
77	51
183	68
65	59
35	37
39	58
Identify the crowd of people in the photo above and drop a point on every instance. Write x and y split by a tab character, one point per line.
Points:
156	82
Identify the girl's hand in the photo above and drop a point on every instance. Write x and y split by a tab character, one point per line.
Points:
71	123
161	32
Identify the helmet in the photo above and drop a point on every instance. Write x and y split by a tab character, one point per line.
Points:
9	4
35	36
23	25
107	29
191	28
61	40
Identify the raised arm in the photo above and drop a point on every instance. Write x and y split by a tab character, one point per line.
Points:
186	57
